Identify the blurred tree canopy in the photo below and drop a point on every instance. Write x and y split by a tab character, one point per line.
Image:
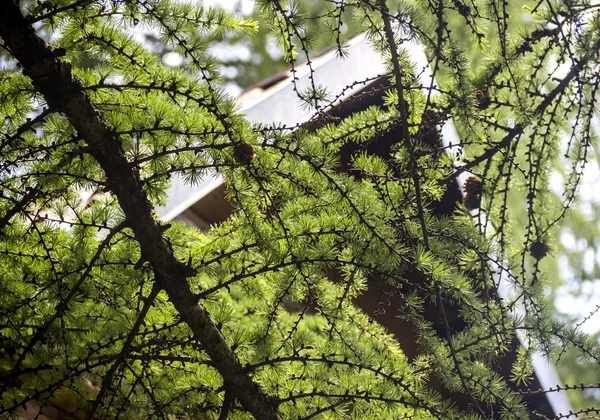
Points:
107	312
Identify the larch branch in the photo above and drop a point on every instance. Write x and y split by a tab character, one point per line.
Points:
54	80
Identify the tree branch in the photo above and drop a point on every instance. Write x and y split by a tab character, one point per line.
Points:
125	349
54	80
520	128
398	74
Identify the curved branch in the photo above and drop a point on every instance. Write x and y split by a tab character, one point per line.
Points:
520	128
55	81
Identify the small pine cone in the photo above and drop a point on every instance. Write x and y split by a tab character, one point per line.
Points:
538	250
473	186
430	118
483	99
472	201
244	153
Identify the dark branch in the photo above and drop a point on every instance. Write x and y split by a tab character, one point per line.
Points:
520	128
54	80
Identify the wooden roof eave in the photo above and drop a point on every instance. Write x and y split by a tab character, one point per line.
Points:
279	105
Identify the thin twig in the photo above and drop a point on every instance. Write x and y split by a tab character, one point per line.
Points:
398	74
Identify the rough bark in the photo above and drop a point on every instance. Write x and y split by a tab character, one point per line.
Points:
54	80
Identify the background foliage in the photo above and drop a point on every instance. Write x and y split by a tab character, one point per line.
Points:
105	312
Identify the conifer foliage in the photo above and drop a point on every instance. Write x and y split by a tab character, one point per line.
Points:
106	312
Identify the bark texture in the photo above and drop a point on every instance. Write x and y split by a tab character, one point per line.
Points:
54	80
